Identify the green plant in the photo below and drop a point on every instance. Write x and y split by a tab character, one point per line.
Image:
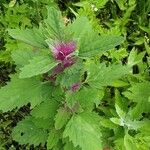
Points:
82	92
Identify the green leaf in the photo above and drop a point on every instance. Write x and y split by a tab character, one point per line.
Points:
54	23
117	121
76	30
38	65
100	75
83	130
32	37
120	112
22	56
53	139
86	97
139	93
70	146
94	44
61	118
129	142
135	58
27	132
46	109
20	92
70	75
100	4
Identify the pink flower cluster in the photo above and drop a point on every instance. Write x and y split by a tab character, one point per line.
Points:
63	49
62	52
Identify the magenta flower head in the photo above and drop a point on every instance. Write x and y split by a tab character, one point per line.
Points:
61	50
75	87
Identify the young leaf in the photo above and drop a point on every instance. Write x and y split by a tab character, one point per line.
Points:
38	65
27	132
140	94
61	118
32	37
129	142
135	58
83	130
20	92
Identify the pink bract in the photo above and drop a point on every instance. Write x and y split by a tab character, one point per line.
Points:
75	87
63	49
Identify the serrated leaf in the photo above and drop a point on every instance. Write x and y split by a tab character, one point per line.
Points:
83	130
46	109
22	56
139	93
61	118
129	142
70	76
70	146
32	37
20	92
27	132
53	139
54	23
94	44
75	27
38	65
86	97
100	75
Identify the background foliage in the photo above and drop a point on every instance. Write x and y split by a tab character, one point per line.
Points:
122	105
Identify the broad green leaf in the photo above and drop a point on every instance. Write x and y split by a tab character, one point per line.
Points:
86	97
94	44
119	144
100	75
46	109
53	138
129	142
139	93
27	132
61	118
70	75
20	92
54	23
76	27
70	146
22	56
38	65
33	36
84	130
